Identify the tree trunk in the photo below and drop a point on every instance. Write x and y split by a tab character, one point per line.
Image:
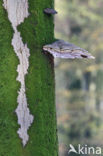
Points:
27	88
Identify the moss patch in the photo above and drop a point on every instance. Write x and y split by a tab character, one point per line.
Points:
36	31
9	142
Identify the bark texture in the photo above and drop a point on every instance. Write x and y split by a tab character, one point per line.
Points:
36	31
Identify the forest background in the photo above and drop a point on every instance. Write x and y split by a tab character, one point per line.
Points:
79	83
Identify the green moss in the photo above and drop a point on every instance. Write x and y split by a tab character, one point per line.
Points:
36	31
9	142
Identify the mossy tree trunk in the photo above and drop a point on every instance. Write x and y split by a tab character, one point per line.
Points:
36	30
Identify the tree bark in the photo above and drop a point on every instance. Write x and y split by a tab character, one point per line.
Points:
36	30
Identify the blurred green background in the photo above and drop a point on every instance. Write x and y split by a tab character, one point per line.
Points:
79	83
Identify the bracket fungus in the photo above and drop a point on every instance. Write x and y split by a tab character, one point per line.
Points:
62	49
50	11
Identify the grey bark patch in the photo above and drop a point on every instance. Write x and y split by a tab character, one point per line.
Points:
17	11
